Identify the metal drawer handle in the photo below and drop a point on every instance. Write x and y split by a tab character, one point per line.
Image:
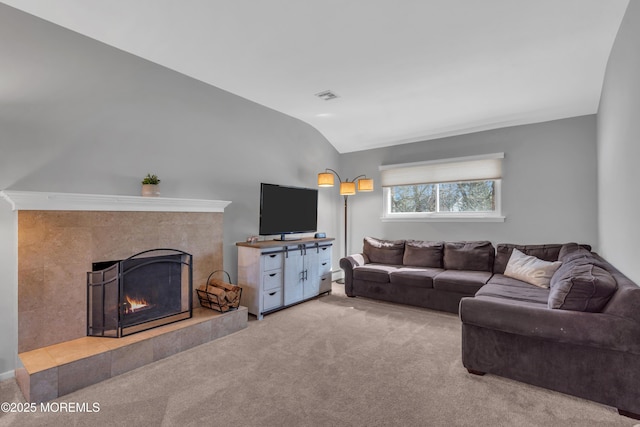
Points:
273	293
273	256
272	274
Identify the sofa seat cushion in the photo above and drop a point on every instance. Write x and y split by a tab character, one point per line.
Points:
463	282
418	277
501	286
418	253
374	272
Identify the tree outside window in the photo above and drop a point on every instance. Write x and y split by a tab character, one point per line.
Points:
470	196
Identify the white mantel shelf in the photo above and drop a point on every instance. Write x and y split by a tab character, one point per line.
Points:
43	201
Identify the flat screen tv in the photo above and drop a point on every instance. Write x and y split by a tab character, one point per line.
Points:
287	210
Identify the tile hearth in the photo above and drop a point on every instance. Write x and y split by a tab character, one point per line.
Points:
59	369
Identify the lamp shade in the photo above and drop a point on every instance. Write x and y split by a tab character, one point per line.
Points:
365	184
347	188
325	179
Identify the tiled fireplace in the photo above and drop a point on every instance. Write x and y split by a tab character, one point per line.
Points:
60	236
146	290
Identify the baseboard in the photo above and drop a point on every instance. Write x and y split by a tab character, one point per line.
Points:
7	375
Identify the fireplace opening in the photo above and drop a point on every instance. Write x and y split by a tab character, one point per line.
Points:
149	289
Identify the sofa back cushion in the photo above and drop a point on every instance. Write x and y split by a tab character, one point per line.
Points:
544	252
418	253
384	251
581	284
475	256
571	251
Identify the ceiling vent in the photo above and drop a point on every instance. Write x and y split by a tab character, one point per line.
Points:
327	95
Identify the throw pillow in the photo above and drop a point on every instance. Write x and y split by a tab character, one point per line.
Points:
548	252
384	251
581	286
530	269
419	253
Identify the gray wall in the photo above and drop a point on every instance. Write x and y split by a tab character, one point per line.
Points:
79	116
619	149
548	189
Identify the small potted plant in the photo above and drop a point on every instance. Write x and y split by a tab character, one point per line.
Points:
150	186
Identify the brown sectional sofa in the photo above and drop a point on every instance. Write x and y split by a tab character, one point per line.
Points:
580	336
434	275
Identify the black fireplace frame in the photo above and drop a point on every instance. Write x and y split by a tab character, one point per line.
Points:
116	272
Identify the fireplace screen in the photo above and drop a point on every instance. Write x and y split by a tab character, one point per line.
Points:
146	290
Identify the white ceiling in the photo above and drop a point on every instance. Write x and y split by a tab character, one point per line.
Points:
404	70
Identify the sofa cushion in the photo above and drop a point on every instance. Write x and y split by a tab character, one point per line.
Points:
420	253
571	255
463	282
581	286
418	277
571	251
501	286
530	269
475	256
544	252
374	272
384	251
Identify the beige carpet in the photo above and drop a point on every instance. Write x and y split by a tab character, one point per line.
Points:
333	361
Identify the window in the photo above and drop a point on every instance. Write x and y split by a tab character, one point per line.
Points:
466	189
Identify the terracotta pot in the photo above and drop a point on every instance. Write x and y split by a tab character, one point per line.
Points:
150	190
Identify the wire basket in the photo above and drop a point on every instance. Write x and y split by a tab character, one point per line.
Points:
219	295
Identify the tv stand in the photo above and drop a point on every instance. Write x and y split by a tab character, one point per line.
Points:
275	274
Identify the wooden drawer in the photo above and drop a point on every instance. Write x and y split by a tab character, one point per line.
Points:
325	252
325	283
271	299
324	267
272	261
272	280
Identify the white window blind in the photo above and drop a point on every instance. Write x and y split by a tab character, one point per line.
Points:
473	168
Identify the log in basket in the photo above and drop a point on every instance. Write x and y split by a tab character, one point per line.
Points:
219	295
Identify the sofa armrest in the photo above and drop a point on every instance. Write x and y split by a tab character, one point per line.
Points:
564	326
348	264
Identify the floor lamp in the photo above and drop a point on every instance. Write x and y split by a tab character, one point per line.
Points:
347	188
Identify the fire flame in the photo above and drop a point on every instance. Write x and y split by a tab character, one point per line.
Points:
135	304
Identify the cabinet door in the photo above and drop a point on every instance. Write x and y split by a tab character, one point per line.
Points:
293	276
312	279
